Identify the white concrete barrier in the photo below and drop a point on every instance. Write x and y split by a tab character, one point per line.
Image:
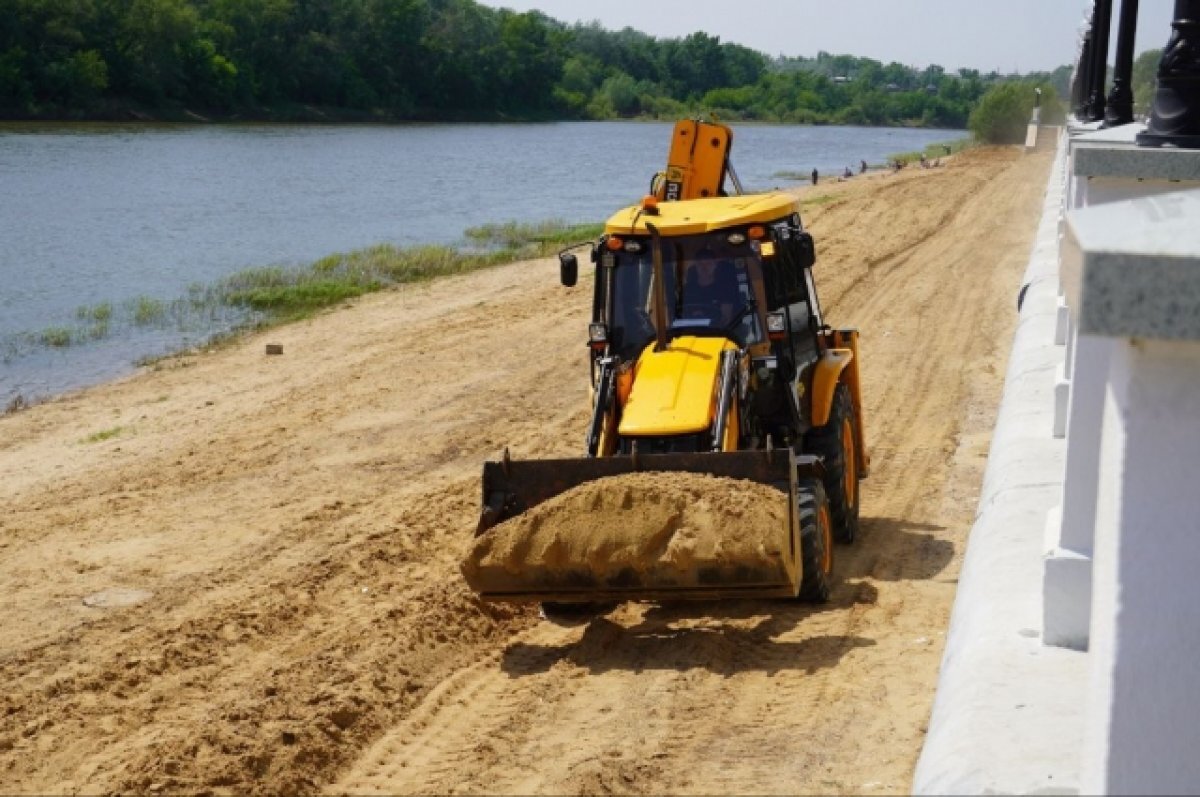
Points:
997	676
1071	665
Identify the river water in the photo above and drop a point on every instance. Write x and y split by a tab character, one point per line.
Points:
129	217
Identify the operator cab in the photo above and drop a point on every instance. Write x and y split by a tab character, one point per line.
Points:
709	283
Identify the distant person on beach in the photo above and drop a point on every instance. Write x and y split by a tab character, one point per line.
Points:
814	177
862	167
847	173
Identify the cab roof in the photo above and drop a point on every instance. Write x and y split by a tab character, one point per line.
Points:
692	216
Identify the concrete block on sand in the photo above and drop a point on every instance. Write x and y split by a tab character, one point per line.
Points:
646	530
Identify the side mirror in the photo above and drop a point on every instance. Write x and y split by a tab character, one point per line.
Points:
568	269
806	250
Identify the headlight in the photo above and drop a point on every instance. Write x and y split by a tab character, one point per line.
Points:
776	326
597	335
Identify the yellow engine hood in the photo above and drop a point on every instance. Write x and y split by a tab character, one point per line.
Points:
674	391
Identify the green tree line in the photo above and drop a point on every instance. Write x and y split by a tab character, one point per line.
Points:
428	59
407	58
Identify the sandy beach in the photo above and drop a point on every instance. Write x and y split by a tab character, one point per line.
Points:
238	573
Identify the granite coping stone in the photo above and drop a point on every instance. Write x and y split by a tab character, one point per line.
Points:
1096	136
1076	126
1131	269
1114	152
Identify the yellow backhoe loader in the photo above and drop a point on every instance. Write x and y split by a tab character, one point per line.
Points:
709	355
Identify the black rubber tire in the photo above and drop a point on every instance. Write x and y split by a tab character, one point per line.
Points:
573	614
816	543
827	442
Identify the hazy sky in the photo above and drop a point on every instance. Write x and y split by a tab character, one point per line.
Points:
1005	35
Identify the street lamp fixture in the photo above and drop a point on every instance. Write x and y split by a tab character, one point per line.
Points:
1120	99
1175	116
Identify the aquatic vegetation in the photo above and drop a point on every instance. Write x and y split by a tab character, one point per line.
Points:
93	320
296	299
258	297
515	235
282	294
56	337
147	310
96	313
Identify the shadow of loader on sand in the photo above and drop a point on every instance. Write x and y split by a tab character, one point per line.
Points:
673	638
727	637
895	549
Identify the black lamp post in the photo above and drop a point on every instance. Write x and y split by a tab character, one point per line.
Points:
1175	117
1101	23
1120	99
1083	77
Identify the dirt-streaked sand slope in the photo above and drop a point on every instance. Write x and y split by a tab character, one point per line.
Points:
250	584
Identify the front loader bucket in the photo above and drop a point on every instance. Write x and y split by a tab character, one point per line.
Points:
583	565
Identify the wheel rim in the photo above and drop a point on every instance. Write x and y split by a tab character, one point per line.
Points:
826	537
849	471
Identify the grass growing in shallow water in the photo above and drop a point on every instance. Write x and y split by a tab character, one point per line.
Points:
259	297
296	299
147	311
56	337
94	320
282	294
514	236
96	313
